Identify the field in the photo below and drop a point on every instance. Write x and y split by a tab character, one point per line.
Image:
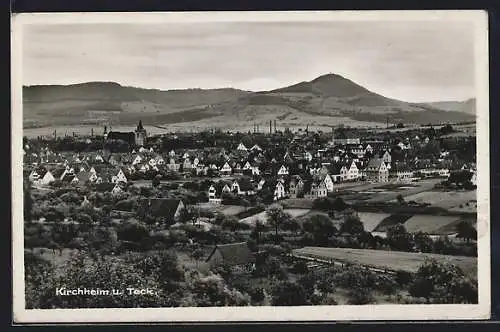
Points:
450	200
433	225
262	216
84	130
391	260
231	210
371	220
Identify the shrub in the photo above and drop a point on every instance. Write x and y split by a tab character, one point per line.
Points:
289	294
360	295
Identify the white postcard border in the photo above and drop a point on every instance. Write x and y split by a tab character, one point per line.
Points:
254	314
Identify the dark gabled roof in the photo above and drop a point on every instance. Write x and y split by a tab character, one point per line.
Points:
160	207
400	167
104	187
234	253
374	163
334	169
127	137
68	177
83	176
40	170
57	172
245	184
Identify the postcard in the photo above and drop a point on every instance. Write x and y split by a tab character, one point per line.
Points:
250	166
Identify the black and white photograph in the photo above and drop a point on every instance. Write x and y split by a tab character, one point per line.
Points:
258	166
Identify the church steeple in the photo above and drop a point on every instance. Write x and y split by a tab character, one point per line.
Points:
140	134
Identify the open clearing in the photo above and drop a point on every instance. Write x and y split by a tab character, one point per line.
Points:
447	199
371	220
262	216
433	225
391	260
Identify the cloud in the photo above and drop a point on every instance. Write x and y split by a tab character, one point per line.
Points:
396	59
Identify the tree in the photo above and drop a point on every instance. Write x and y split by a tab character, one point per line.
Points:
28	201
132	231
443	282
447	129
399	238
291	225
321	227
103	239
212	291
460	178
288	293
360	295
156	181
423	242
276	216
104	273
352	225
231	223
339	204
466	231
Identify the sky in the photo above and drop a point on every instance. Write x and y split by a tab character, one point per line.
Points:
411	61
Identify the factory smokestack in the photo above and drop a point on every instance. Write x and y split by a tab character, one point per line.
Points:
270	126
274	125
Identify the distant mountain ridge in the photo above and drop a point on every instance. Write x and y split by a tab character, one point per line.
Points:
467	106
326	99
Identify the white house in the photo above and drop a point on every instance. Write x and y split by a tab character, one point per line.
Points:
137	160
119	177
47	178
213	198
159	160
247	166
318	189
353	172
377	171
241	147
328	182
279	191
256	148
226	169
283	170
386	157
34	175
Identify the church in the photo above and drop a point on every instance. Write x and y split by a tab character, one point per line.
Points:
137	137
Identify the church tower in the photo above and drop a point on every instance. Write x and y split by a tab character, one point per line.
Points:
140	135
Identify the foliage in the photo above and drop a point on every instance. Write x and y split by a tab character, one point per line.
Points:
210	291
466	231
423	242
443	283
321	227
360	295
399	238
132	231
276	216
288	293
352	225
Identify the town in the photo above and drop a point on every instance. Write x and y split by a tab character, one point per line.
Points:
265	217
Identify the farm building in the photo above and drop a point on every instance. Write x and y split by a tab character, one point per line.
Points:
236	255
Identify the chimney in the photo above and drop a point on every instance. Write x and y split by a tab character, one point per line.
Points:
274	125
270	127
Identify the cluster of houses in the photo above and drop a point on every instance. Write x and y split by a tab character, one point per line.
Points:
297	172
